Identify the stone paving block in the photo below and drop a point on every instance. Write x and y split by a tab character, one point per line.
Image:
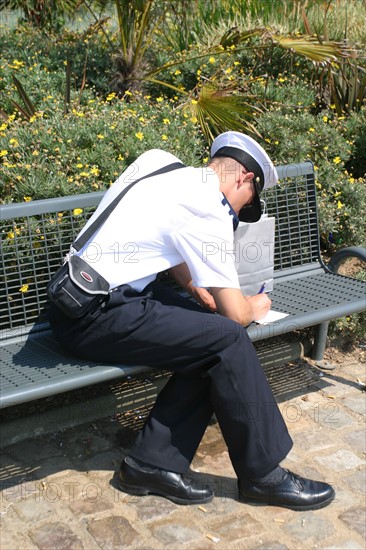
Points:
357	440
345	545
56	535
235	528
356	403
269	545
113	532
83	445
53	466
309	528
39	507
107	461
175	531
14	540
340	460
35	450
357	481
14	472
355	518
151	508
82	507
314	440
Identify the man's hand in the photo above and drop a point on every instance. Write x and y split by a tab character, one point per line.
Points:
183	277
203	297
261	305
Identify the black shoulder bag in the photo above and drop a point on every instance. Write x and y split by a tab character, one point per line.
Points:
76	288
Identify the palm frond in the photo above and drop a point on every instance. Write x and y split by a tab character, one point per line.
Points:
311	48
218	110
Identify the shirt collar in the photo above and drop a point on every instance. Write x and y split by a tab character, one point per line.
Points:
231	212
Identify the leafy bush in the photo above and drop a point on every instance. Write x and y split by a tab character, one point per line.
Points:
323	139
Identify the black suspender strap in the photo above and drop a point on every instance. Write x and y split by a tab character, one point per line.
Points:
83	239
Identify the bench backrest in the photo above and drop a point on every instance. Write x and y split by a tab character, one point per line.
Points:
36	235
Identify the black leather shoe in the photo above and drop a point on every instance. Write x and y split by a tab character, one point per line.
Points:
138	479
294	492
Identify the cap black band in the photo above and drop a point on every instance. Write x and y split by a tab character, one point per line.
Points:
246	160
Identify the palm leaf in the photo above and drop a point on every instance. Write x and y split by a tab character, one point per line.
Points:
313	49
219	110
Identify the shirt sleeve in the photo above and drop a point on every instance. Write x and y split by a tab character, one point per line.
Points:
207	248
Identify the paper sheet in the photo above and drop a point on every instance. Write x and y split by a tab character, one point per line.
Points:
271	317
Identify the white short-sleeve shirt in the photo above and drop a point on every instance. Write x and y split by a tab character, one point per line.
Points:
161	222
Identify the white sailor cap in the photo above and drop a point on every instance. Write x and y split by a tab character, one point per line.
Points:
250	154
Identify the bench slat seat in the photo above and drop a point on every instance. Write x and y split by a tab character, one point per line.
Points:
39	368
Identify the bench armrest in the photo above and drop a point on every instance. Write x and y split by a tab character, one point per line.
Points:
341	255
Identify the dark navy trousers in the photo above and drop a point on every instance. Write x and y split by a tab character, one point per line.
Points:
215	369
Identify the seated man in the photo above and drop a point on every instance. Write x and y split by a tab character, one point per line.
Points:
165	223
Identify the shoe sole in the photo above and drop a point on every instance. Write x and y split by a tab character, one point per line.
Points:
135	490
299	508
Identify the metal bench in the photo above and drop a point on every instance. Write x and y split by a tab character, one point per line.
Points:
36	235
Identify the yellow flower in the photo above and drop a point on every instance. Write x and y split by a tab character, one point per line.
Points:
3	153
84	174
164	137
193	119
325	118
77	211
14	142
139	136
199	72
24	288
166	120
159	99
337	160
120	157
177	72
35	153
212	60
79	165
28	166
95	171
10	235
311	129
339	205
194	101
100	136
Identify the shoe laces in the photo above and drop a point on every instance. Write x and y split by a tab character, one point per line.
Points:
296	479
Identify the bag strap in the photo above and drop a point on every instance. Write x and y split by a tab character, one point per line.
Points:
83	239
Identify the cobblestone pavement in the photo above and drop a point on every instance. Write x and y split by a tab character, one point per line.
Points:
59	491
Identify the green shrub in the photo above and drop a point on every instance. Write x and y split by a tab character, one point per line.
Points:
323	139
85	150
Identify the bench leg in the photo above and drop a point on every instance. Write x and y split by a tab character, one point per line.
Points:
320	340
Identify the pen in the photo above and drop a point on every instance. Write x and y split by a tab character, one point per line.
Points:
262	287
